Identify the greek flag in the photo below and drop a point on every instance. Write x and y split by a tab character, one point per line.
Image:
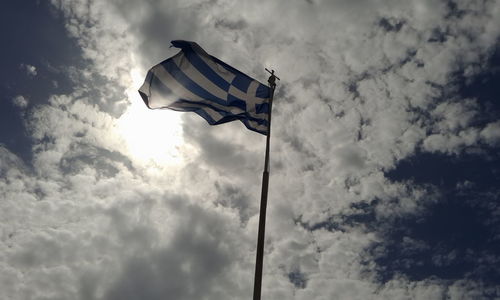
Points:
193	80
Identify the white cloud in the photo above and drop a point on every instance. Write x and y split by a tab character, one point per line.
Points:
29	69
491	133
363	86
20	101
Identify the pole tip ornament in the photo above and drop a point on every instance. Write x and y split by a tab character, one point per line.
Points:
272	78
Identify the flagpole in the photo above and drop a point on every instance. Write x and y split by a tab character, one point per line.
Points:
263	199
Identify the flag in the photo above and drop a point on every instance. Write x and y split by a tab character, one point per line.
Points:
192	80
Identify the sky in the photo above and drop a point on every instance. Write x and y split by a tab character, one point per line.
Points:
385	156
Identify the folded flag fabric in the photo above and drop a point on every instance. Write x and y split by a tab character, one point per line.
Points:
193	80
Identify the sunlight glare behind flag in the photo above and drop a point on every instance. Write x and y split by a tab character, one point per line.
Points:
192	80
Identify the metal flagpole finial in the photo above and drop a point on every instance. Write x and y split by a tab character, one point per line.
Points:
272	78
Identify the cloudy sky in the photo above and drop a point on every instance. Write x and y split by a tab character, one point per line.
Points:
385	156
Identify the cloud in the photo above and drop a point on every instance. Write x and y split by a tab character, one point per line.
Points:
363	86
491	133
198	262
20	101
29	69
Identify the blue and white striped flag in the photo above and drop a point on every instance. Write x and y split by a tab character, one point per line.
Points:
193	80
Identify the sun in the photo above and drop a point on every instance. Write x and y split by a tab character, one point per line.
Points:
151	135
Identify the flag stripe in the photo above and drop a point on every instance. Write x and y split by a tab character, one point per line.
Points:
164	78
192	73
221	110
211	66
165	84
203	66
201	76
182	92
195	81
189	84
211	115
241	82
191	49
159	90
217	116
